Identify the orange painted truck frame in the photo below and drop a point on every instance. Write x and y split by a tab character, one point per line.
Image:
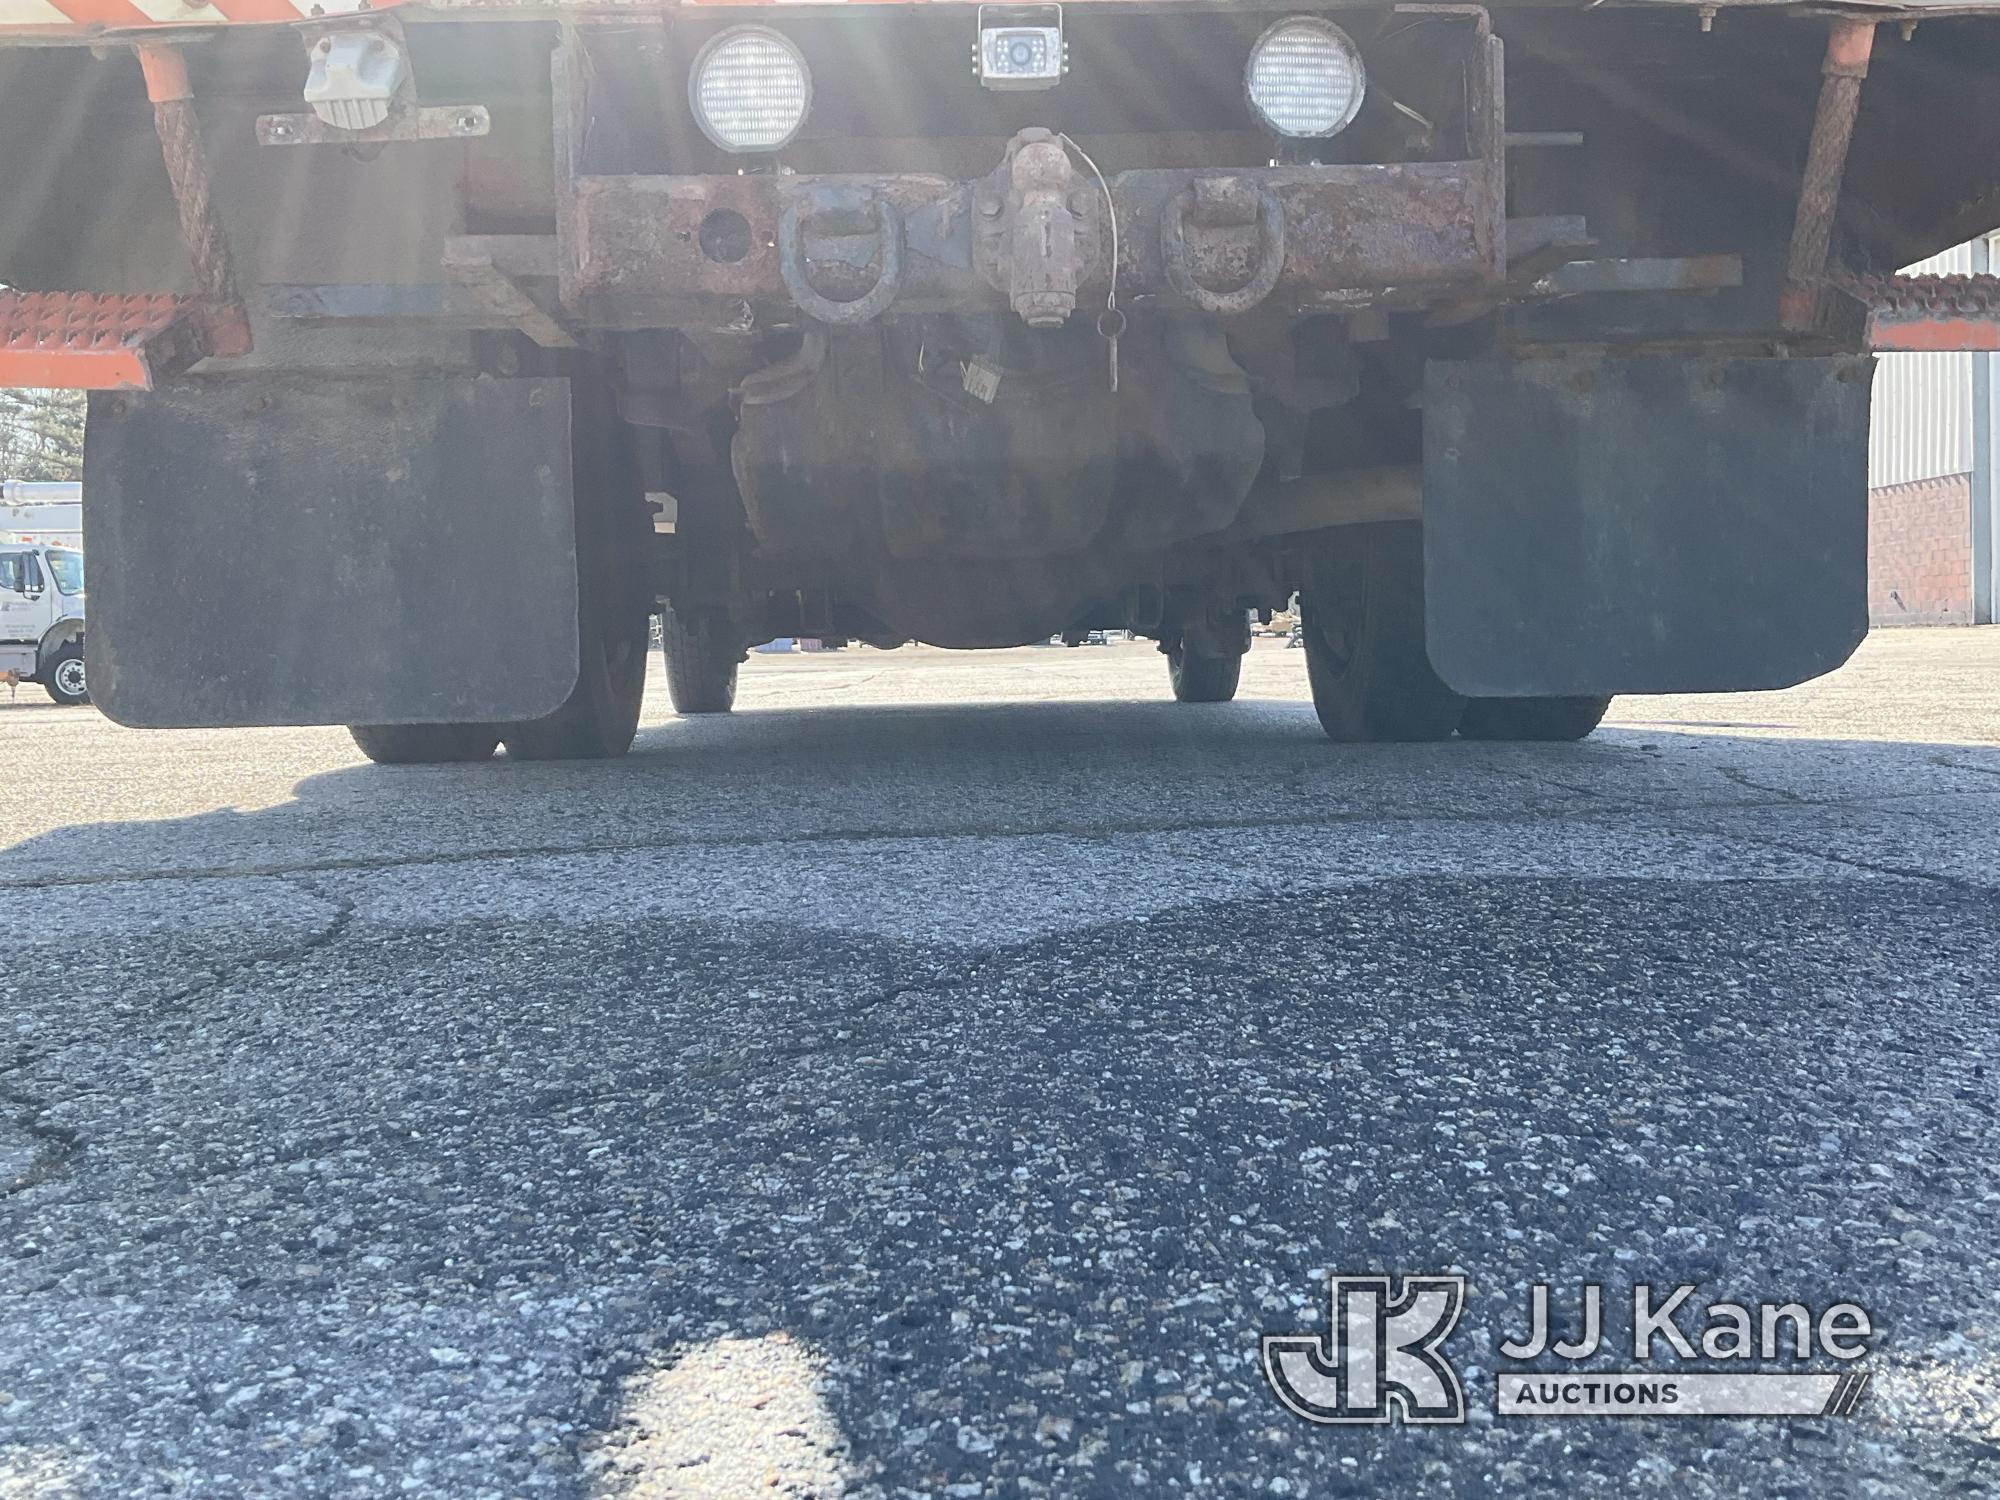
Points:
1528	345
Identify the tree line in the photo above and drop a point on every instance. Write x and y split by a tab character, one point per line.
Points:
41	434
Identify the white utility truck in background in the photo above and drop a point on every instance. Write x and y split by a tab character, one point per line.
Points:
41	587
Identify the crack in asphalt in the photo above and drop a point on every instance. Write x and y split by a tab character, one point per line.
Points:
279	953
1095	831
1960	883
1959	765
62	1144
1748	783
58	1142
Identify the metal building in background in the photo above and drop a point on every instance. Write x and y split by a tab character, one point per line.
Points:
1931	476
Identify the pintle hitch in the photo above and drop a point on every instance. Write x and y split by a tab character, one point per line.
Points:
1033	240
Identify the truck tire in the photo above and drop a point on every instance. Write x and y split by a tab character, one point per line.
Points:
63	675
701	666
424	744
1202	678
1363	619
1531	718
614	533
601	716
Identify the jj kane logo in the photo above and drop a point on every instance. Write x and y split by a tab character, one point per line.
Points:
1379	1358
1382	1357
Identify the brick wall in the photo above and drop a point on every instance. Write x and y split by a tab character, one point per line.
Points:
1920	552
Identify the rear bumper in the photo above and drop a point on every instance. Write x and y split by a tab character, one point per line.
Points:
1041	233
647	251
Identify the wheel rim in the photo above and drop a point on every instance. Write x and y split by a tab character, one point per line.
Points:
69	676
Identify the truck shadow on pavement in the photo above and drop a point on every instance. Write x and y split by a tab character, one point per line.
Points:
941	1100
780	776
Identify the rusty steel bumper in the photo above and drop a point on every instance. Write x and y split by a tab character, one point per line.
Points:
643	251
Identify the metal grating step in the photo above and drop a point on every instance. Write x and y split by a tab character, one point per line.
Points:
1924	314
96	342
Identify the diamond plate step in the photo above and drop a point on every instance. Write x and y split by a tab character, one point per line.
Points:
94	342
1924	314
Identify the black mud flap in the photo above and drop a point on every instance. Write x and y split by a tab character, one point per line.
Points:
1647	525
276	551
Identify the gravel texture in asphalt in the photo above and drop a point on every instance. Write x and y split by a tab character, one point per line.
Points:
935	1077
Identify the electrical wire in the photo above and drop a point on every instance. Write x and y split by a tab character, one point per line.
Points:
1111	322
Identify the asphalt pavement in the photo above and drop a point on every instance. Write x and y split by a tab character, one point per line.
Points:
933	1079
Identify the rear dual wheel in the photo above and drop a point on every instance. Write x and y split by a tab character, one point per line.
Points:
614	533
614	599
1202	679
701	663
597	721
1532	718
601	715
424	744
1363	616
1372	679
1205	658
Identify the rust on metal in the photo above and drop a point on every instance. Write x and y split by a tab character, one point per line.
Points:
648	250
639	251
1041	230
1228	204
84	341
1487	129
1848	45
634	246
856	228
201	223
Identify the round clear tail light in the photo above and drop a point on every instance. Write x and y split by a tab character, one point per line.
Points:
1305	78
750	89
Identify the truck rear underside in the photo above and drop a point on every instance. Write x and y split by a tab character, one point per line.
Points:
433	347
